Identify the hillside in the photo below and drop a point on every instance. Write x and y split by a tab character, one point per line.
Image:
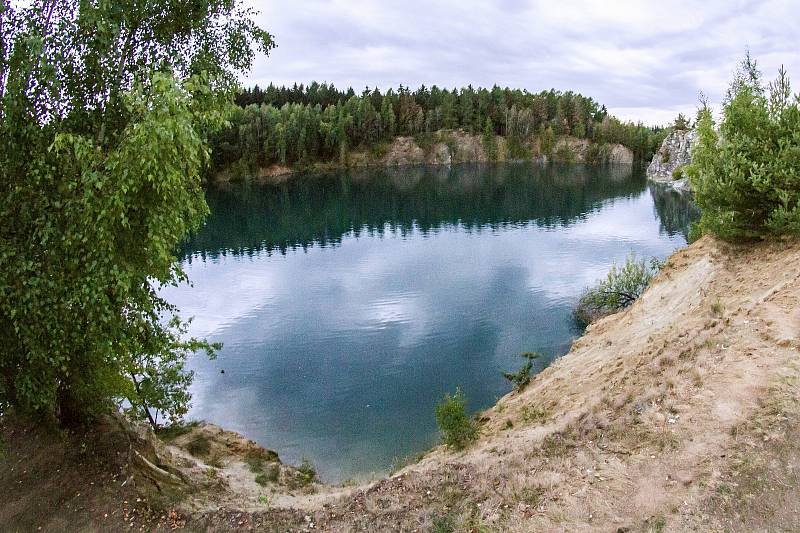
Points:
680	413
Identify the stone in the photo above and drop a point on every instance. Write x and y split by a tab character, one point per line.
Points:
675	153
620	155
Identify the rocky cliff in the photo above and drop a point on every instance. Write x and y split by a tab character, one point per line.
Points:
675	153
458	146
447	147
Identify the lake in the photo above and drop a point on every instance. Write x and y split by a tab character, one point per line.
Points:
349	303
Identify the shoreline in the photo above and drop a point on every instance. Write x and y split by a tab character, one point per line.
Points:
452	147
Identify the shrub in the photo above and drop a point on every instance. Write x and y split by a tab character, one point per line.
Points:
307	472
621	288
665	155
533	413
425	141
379	150
255	462
681	123
270	475
745	176
522	377
597	154
489	141
443	524
173	431
564	154
458	430
199	446
677	173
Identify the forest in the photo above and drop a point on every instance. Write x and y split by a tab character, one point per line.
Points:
304	124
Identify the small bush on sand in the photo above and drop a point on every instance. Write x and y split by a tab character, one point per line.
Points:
307	472
522	377
622	286
458	430
443	524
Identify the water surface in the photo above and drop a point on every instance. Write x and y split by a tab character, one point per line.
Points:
350	303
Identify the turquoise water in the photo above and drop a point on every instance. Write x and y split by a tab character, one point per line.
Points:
350	303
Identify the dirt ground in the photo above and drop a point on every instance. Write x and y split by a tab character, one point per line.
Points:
681	413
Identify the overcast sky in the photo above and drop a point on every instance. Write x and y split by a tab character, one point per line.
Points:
645	60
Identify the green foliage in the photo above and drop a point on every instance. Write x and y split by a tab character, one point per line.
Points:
665	156
522	377
746	177
458	430
424	141
681	122
621	287
306	472
319	122
533	413
254	461
547	141
564	154
105	110
677	173
489	140
643	141
443	524
597	154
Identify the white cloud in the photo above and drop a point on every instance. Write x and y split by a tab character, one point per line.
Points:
643	59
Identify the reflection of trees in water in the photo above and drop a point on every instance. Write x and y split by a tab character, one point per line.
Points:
675	210
309	210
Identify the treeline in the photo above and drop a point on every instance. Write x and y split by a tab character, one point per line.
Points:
318	122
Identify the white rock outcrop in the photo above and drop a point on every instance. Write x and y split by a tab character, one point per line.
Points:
675	153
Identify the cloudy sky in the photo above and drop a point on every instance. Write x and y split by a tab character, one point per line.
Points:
646	60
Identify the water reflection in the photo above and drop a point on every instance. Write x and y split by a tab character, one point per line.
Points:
320	210
349	304
674	209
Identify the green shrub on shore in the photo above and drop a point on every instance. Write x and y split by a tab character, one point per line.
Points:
307	471
746	176
621	287
458	430
522	377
